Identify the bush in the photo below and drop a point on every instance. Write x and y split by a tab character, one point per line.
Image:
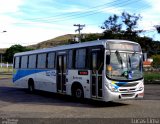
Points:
156	61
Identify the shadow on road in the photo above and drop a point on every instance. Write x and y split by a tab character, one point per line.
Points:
16	95
152	92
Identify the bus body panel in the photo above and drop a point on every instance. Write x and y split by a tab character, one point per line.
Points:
43	80
84	80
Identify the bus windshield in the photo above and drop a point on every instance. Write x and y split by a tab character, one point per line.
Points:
124	66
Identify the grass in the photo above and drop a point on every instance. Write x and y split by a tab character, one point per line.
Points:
5	69
5	72
151	77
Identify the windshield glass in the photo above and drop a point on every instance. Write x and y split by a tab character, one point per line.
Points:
124	66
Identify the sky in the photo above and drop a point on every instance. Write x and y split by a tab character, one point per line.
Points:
28	22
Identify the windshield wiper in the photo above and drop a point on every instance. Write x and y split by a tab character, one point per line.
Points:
119	58
129	60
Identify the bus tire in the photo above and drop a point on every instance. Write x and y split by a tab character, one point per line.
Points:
77	91
31	86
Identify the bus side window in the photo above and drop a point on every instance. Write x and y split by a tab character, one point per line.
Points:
24	61
70	59
41	60
51	60
94	61
32	61
80	62
17	62
97	60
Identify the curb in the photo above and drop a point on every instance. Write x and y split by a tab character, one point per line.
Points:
152	82
4	78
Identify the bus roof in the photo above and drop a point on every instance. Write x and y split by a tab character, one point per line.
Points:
76	45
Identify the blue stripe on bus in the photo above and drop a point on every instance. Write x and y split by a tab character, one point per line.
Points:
22	73
121	83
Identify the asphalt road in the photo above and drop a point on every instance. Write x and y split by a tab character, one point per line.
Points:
18	103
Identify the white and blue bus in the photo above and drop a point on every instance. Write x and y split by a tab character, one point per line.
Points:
105	70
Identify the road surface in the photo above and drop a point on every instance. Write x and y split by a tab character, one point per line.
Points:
18	103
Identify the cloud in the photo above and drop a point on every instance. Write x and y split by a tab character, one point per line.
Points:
151	15
10	5
7	7
27	36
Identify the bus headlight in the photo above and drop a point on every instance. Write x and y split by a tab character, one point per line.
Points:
140	87
112	87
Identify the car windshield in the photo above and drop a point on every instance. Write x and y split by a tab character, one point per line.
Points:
124	66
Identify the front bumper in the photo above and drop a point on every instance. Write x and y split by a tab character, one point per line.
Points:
122	94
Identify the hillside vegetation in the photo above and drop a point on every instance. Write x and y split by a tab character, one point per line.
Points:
64	39
152	47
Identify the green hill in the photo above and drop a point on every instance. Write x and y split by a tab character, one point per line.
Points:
147	44
61	40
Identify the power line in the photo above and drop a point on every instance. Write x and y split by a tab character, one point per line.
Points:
70	14
89	13
84	14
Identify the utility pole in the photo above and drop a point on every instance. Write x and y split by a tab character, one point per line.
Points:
80	27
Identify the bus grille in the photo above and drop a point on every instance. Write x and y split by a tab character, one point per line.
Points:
128	84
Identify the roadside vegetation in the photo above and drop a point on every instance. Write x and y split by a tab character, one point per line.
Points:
5	72
151	77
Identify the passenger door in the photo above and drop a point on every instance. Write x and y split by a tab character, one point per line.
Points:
61	73
96	73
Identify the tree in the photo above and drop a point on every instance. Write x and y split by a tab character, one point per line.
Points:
121	28
130	22
111	27
8	56
158	28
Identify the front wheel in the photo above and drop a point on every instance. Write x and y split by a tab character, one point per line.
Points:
78	93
